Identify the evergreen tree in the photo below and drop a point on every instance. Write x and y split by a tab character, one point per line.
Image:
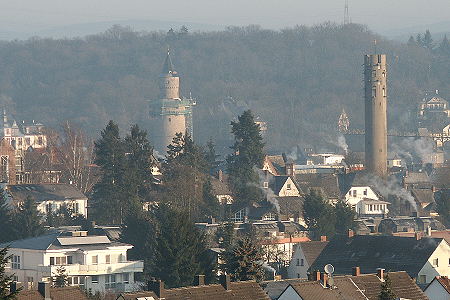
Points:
319	215
109	203
419	40
243	261
211	155
138	176
183	31
427	40
248	155
6	222
140	231
5	280
180	252
412	41
28	220
386	292
60	279
210	205
444	46
345	216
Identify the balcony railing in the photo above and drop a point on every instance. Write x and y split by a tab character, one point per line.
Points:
77	269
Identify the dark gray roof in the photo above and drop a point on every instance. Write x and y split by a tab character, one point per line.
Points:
416	177
423	196
45	191
371	252
329	183
168	66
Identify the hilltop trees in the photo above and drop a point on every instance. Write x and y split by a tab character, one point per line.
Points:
247	155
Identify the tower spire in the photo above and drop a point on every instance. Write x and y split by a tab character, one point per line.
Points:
168	66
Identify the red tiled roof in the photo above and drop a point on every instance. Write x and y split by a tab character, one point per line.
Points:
65	293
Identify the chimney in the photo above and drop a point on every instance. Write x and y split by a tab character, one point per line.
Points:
418	235
157	286
324	278
199	280
433	189
356	271
212	220
323	238
314	276
225	281
380	273
289	169
350	233
44	290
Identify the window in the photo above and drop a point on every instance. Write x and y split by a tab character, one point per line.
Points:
94	279
69	260
288	186
302	262
298	261
126	278
436	262
108	259
15	262
82	280
27	141
52	261
20	141
422	279
30	282
384	92
265	184
61	261
354	193
95	259
298	275
40	142
110	281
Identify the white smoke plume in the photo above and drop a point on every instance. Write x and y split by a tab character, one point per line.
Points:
268	193
409	148
342	143
269	268
293	154
390	187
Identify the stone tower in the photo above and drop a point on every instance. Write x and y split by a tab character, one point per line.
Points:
175	112
375	94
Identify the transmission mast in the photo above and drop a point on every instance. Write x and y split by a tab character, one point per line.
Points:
346	16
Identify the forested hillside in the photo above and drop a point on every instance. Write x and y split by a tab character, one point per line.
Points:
298	79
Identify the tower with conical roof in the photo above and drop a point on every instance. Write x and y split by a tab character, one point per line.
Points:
175	112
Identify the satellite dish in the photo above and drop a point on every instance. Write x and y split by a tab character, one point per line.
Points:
329	269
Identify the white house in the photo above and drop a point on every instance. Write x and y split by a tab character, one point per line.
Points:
92	262
50	197
305	254
439	288
366	201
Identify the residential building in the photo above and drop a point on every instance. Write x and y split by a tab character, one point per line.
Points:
355	287
91	262
305	253
422	258
439	288
50	197
366	201
225	290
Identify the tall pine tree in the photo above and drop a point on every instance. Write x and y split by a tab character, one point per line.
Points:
243	260
180	248
247	155
319	215
386	292
110	205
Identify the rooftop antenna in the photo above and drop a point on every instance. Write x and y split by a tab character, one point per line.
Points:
346	16
329	269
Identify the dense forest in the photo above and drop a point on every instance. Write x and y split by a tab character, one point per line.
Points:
298	79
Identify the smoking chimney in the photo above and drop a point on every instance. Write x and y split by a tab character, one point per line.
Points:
375	84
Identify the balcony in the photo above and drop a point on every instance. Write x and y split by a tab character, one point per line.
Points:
77	269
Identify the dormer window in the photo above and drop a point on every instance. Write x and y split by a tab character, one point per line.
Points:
288	186
265	184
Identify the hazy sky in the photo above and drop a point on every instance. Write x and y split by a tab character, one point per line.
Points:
385	14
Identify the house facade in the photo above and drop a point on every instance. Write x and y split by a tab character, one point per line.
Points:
50	197
304	255
439	288
90	262
366	201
